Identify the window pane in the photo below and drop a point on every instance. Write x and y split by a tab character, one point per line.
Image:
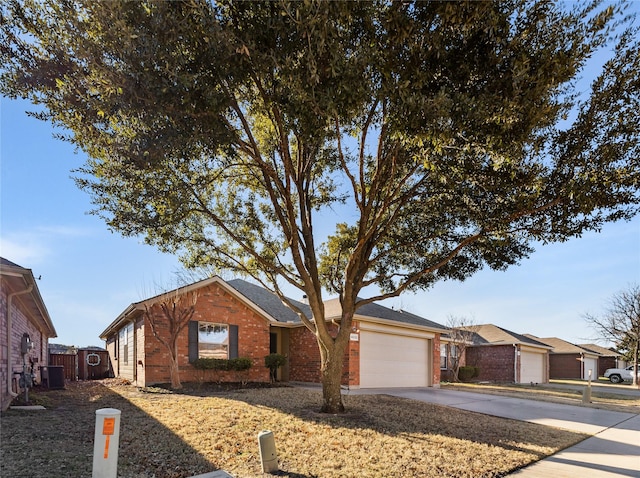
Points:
443	356
213	333
443	362
213	340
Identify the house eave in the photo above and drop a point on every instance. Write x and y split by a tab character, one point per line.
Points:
124	317
20	278
394	323
512	343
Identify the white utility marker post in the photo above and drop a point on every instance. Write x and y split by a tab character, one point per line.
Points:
586	395
105	443
268	455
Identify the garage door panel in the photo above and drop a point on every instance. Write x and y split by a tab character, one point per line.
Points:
532	367
388	360
590	364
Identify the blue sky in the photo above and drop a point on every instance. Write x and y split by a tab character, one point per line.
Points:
90	275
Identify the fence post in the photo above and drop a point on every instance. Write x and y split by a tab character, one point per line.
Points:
105	443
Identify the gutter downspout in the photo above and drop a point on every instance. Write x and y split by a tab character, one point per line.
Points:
135	353
9	327
515	363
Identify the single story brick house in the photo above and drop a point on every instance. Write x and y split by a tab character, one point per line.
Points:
608	358
235	318
568	360
505	356
25	326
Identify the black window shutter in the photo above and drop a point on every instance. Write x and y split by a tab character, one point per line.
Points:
193	341
233	341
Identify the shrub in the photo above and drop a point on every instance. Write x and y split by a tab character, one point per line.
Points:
237	364
240	364
273	362
466	373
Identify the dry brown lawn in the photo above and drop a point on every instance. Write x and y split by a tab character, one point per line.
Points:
180	435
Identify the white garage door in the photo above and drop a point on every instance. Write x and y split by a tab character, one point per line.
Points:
590	364
388	360
532	367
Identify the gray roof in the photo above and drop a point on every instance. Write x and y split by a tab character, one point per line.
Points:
605	352
7	262
490	334
562	346
377	311
19	278
271	303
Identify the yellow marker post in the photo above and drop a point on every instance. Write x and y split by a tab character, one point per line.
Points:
105	445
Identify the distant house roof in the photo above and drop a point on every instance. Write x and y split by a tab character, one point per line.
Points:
605	352
20	279
562	346
489	334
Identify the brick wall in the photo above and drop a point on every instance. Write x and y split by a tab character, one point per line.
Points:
604	363
214	304
38	356
565	366
304	357
495	362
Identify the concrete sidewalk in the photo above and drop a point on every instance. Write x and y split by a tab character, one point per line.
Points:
613	450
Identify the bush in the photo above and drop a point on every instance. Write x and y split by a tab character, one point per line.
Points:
241	364
238	364
273	362
466	373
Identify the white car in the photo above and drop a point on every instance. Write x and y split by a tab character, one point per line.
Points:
617	375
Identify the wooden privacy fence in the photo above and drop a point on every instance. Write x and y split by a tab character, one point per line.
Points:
93	364
87	364
68	361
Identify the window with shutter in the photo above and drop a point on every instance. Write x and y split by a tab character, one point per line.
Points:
211	340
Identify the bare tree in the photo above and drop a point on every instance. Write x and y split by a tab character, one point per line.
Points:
167	316
620	323
462	330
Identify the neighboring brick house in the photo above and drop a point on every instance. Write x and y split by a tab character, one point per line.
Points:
240	319
568	360
505	356
23	317
607	359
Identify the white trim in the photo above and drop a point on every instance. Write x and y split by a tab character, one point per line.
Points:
393	327
92	364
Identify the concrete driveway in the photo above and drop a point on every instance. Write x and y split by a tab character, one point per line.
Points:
613	450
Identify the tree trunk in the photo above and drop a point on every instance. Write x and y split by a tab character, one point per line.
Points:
174	370
331	376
